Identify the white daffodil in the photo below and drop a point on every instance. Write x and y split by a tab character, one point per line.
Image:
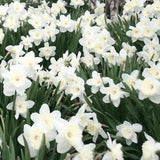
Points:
11	22
75	60
154	43
128	131
105	36
88	43
115	152
149	148
149	88
17	7
21	106
69	134
95	82
75	88
58	7
1	35
3	10
83	116
88	18
95	128
134	33
15	51
86	153
30	63
50	32
3	68
149	55
36	21
37	35
111	56
113	92
154	69
130	79
48	118
34	136
88	59
101	20
15	80
66	23
130	50
47	51
77	3
26	42
99	8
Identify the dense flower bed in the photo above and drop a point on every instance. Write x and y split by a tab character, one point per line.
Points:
75	85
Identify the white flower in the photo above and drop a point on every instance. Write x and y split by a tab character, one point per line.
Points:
113	92
111	56
115	152
1	35
105	36
86	153
95	82
95	128
148	11
134	33
17	7
3	10
15	51
149	149
47	51
37	35
34	136
149	55
75	60
48	118
88	18
130	50
30	63
21	106
127	130
130	79
82	116
27	42
76	88
69	134
149	88
77	3
11	22
15	80
88	59
58	7
50	33
133	6
148	31
154	43
154	70
3	68
99	8
100	20
100	47
36	21
88	43
61	81
66	23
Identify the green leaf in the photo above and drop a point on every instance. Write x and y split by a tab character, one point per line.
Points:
41	153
